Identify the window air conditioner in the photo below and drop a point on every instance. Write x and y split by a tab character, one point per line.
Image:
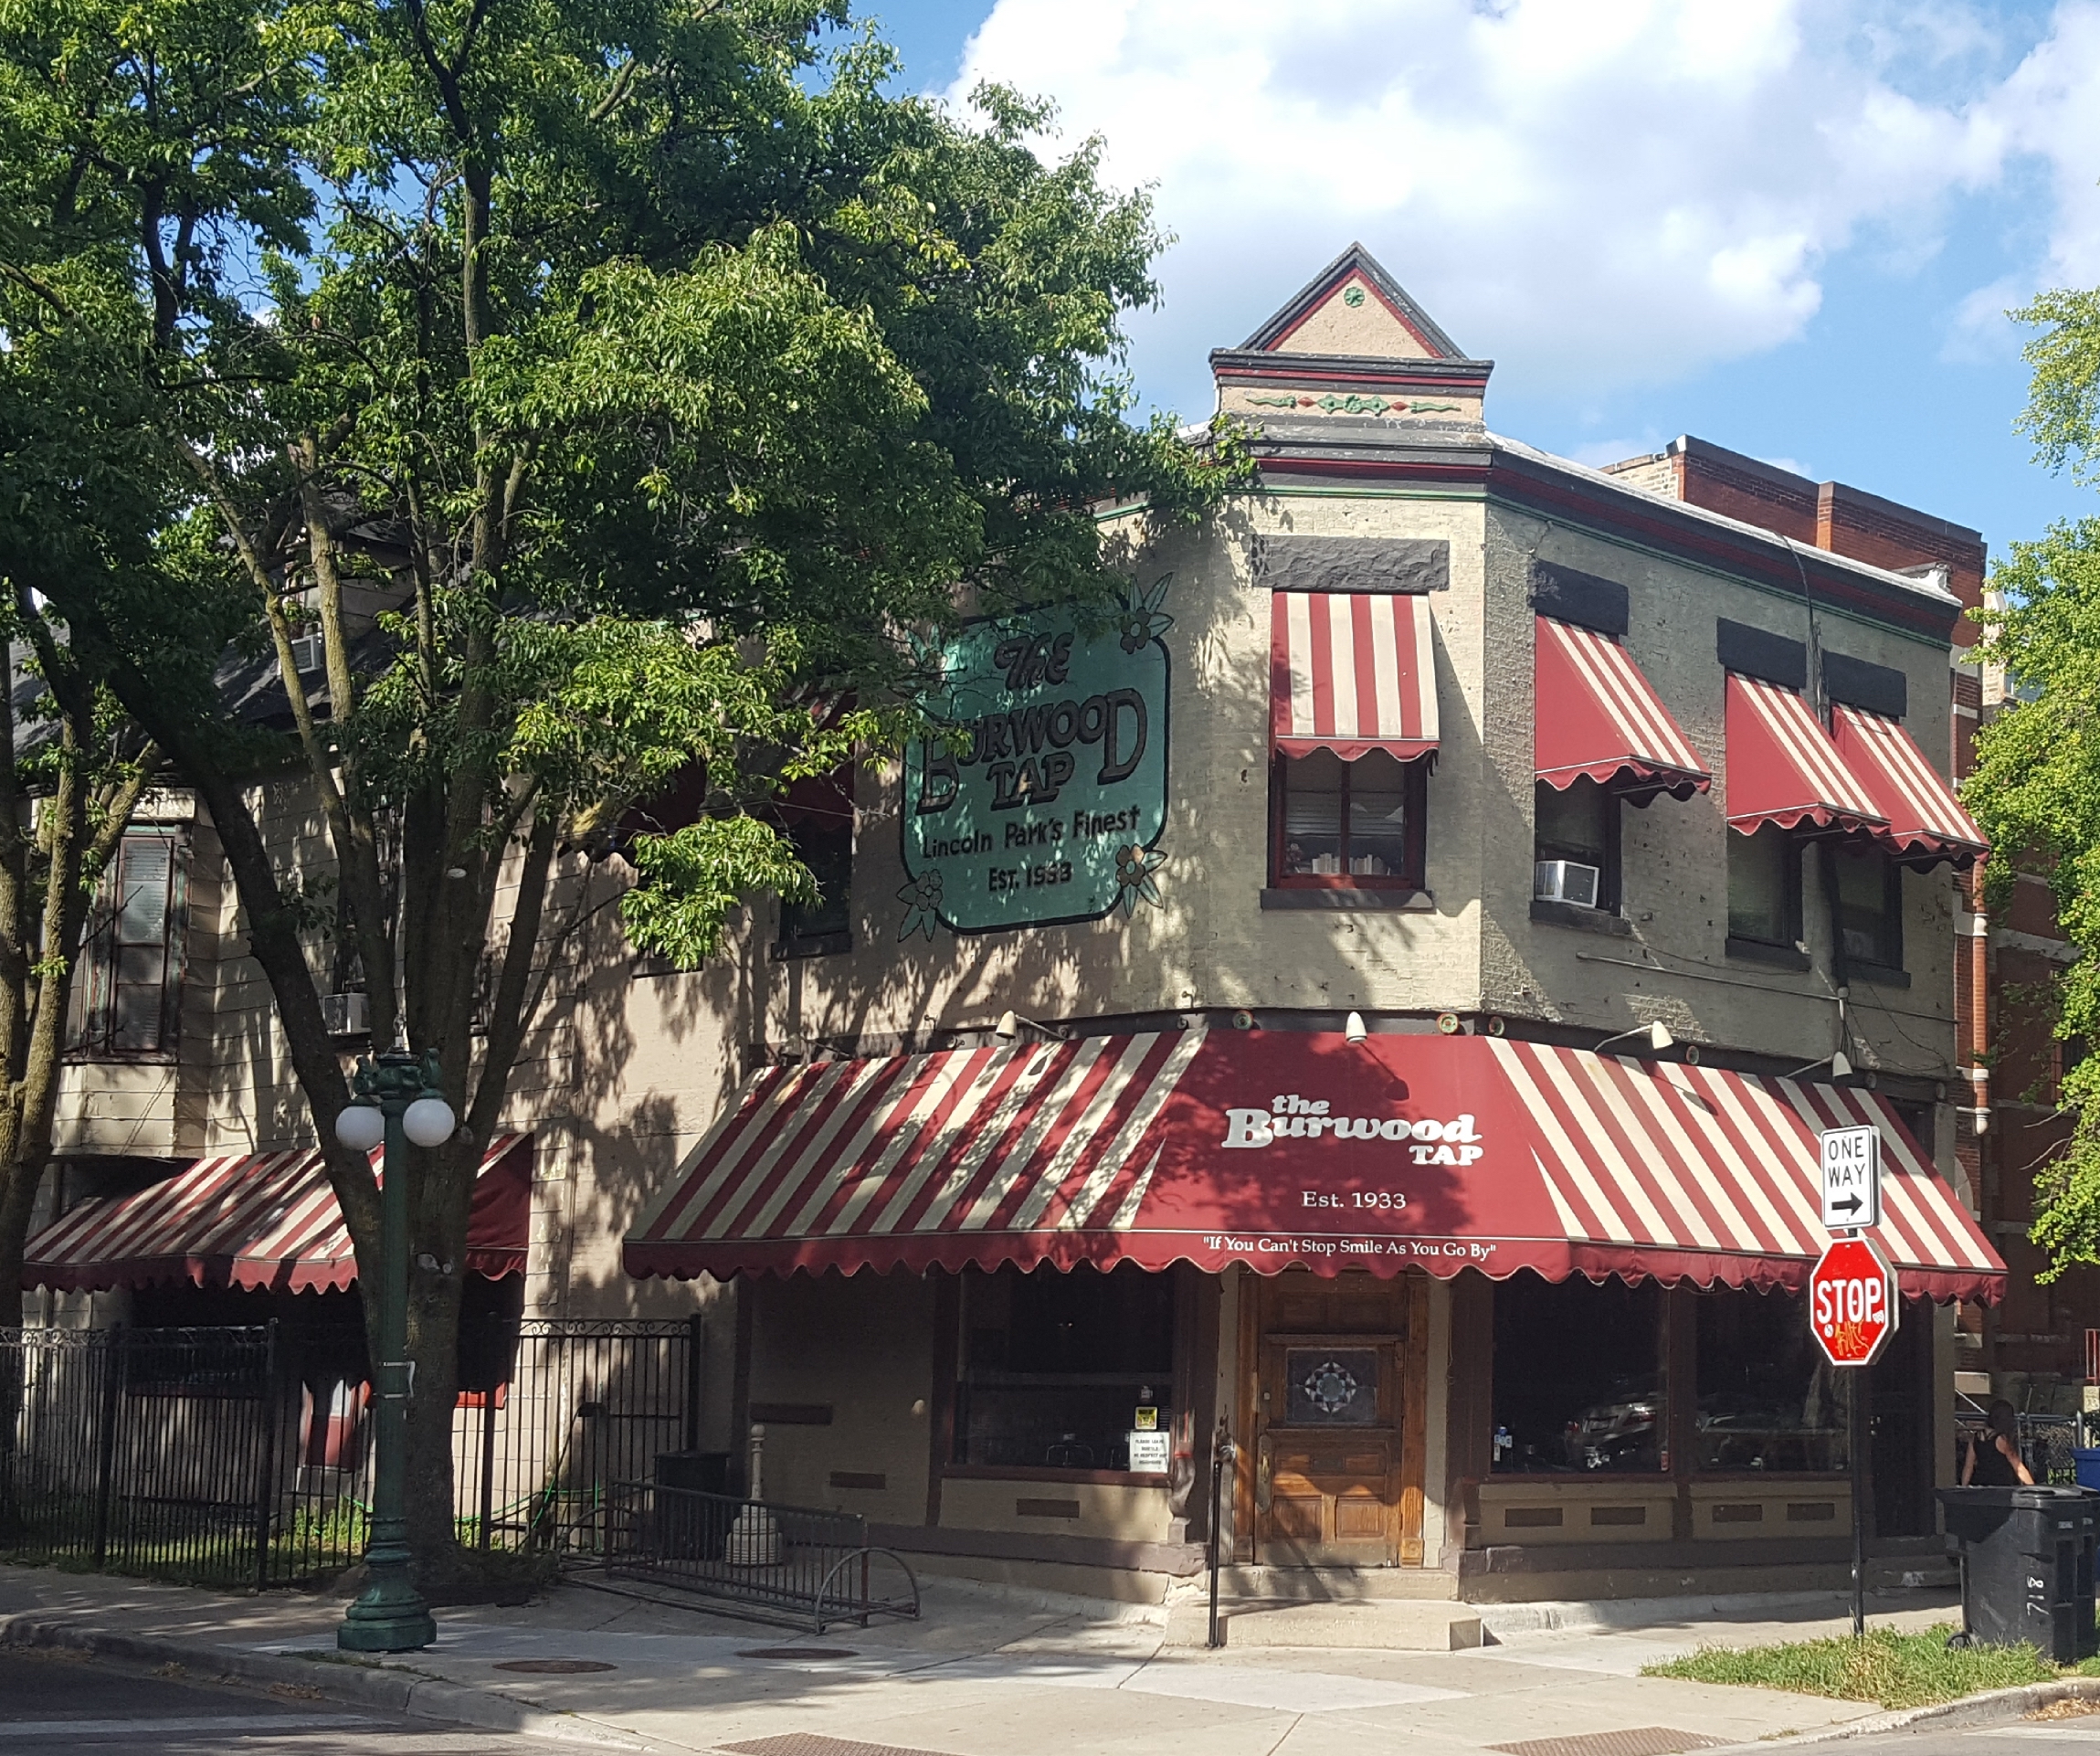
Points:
307	652
345	1015
1565	881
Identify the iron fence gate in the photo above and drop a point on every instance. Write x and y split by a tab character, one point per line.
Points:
233	1456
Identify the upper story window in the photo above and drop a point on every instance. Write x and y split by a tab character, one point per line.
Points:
125	982
1575	845
1870	906
1348	825
818	817
1765	889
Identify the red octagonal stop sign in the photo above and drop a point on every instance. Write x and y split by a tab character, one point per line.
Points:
1853	1302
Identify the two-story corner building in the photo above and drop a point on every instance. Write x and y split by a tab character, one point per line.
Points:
1429	768
1374	998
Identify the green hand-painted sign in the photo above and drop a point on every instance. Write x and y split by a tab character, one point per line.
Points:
1047	804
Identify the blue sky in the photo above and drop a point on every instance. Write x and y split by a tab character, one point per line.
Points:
1786	226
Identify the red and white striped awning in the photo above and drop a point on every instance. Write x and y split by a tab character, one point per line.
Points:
1289	1149
1597	716
1927	822
262	1220
1351	672
1783	768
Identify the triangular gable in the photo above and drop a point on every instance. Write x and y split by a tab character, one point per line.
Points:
1353	308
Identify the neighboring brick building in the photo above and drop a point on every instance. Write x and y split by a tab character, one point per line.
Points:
2033	1346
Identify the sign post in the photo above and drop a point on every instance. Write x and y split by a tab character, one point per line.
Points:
1854	1307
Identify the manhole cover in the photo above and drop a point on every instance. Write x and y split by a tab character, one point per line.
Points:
555	1666
799	1652
813	1743
1641	1740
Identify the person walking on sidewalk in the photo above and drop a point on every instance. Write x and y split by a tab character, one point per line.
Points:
1992	1459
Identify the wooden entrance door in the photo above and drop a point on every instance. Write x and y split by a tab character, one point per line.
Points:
1334	1407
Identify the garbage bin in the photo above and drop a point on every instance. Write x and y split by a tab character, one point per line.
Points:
2085	1465
706	1470
2027	1566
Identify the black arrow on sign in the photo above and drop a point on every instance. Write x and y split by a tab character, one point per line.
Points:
1851	1204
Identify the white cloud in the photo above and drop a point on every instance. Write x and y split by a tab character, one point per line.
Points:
1595	192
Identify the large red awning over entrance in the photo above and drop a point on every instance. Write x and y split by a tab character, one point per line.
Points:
261	1221
1284	1151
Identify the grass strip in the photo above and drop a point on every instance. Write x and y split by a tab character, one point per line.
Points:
1898	1671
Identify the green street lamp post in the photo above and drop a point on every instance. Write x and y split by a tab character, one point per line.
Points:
398	1099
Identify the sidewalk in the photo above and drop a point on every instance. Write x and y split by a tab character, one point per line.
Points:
984	1673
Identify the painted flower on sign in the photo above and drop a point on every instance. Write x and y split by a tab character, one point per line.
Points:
1134	869
922	900
1141	621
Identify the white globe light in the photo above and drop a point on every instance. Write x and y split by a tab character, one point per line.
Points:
430	1121
359	1126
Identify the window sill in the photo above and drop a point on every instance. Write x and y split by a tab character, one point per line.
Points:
1418	901
1025	1473
1584	920
817	944
1881	975
1780	957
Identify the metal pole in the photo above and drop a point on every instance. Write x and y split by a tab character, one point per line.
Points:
1862	1383
266	1483
1221	1454
391	1617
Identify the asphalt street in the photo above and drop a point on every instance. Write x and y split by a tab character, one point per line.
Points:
60	1702
2078	1736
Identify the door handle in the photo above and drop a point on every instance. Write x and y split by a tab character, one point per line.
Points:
1264	1463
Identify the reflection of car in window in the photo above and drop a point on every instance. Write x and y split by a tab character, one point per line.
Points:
1616	1434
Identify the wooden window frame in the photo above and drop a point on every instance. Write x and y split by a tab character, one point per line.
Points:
1415	779
91	1012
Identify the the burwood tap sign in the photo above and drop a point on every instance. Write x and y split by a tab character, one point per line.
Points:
1046	801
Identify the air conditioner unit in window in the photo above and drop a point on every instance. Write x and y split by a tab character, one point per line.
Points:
1565	881
307	652
345	1015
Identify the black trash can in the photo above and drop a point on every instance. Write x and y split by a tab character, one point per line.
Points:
689	1528
2027	1566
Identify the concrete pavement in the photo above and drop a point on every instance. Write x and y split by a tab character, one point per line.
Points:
988	1673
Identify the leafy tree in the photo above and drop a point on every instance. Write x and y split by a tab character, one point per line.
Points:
651	385
2036	787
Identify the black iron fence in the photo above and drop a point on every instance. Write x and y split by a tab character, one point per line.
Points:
241	1456
797	1563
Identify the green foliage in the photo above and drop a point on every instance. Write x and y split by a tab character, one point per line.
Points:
1898	1671
2062	413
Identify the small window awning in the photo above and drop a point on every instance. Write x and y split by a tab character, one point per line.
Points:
261	1222
1291	1149
1351	672
1926	823
1597	717
1783	768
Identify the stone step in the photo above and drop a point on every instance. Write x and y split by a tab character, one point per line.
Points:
1382	1625
1335	1584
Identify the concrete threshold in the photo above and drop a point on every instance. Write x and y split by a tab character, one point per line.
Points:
1391	1624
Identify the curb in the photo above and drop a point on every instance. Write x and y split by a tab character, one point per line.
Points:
1991	1707
391	1688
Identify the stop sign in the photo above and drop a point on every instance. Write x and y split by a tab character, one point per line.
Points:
1852	1303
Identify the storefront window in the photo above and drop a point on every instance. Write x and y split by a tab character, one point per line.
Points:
1578	1376
1347	823
1057	1366
1768	1398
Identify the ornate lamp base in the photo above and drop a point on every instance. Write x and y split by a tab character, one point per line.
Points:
389	1617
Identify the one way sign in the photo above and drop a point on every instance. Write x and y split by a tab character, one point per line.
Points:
1852	1161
